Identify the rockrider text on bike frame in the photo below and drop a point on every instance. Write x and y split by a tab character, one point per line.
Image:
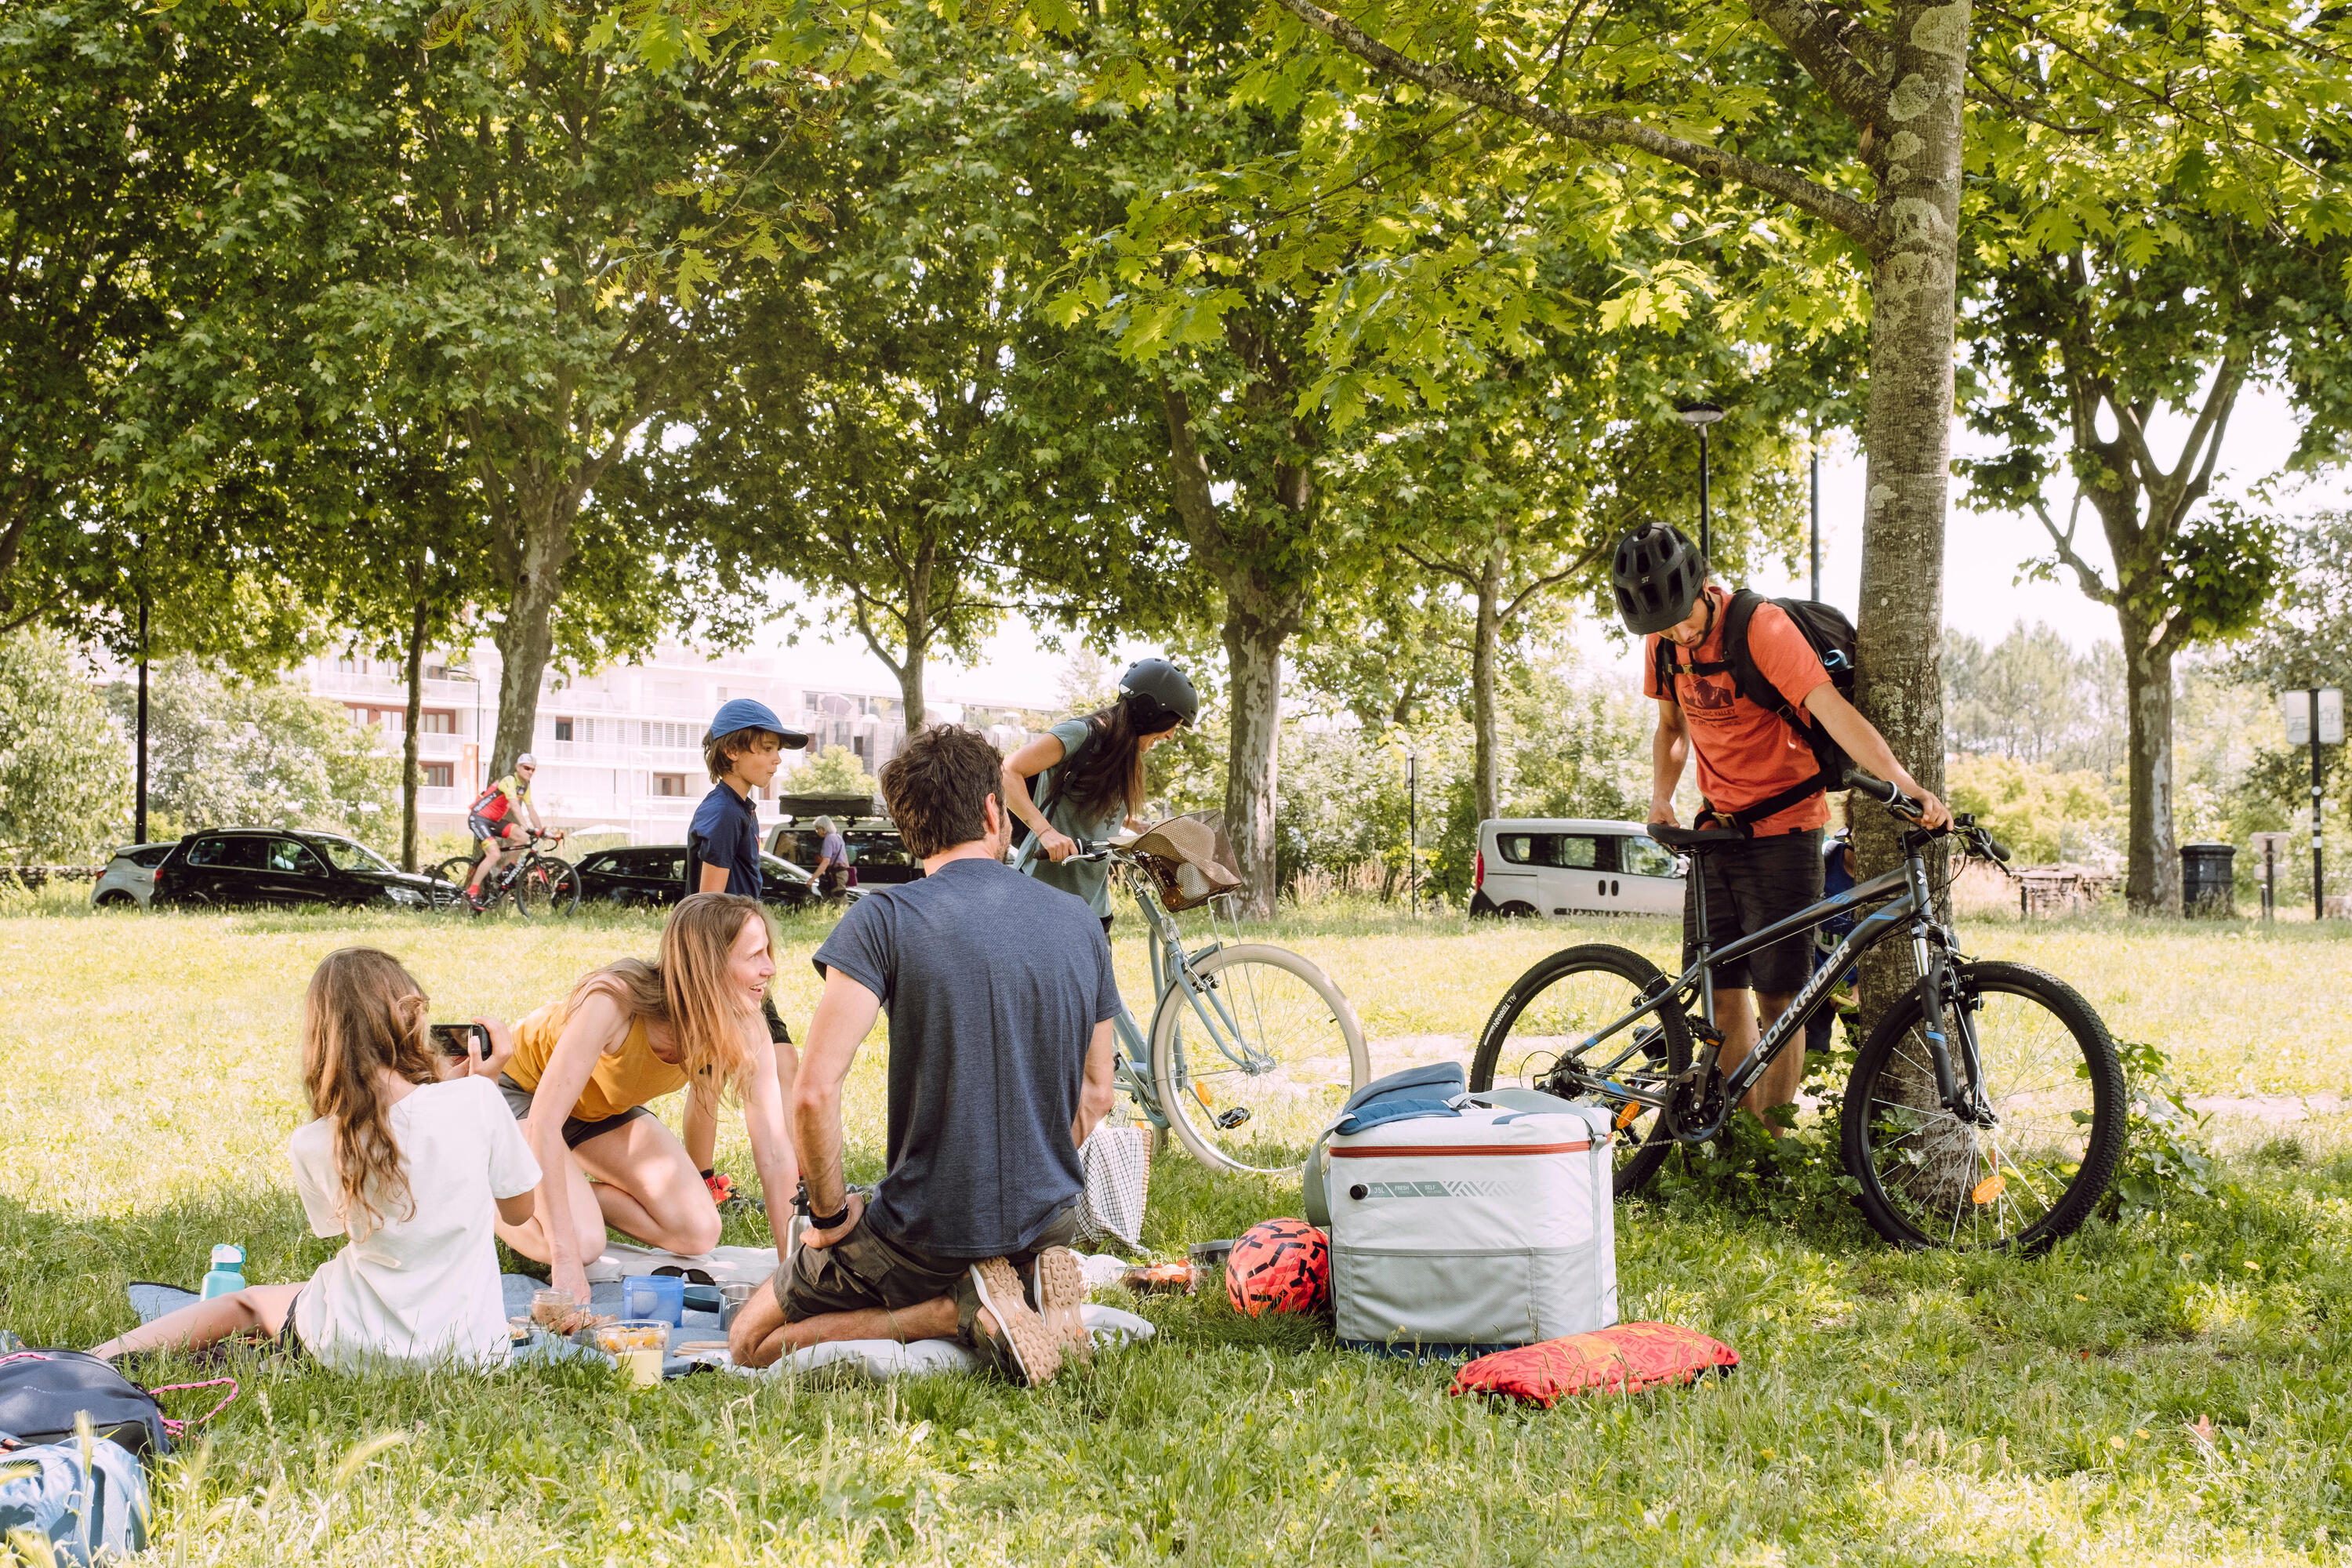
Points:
1746	754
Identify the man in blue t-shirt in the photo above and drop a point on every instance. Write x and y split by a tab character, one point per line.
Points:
1001	996
745	745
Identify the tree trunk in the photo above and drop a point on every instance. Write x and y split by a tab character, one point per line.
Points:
1486	643
410	772
526	638
1254	676
1259	617
919	637
2152	867
1914	277
1908	433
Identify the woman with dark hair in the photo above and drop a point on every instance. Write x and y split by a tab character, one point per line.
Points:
1093	782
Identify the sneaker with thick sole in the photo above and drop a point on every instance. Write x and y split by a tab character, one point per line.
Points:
1021	1333
1060	1282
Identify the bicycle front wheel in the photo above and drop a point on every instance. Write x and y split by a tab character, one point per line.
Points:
1544	1019
1251	1066
546	885
562	882
2056	1088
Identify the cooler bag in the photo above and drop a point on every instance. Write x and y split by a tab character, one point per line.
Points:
1473	1232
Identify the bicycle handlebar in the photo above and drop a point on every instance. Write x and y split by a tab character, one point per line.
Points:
1979	839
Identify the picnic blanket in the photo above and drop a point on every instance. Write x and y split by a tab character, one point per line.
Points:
852	1361
881	1361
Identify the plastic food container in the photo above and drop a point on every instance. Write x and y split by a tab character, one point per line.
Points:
654	1297
639	1346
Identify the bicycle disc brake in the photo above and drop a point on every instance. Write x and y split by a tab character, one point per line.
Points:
1696	1107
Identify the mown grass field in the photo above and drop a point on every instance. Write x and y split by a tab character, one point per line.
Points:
2177	1389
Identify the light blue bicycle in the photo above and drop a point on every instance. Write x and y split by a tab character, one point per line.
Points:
1252	1049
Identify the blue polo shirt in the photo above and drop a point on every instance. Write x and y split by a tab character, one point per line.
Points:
726	832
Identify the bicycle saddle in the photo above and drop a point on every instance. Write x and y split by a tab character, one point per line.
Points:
1674	837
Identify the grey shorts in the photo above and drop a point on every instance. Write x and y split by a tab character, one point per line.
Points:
576	1131
1748	887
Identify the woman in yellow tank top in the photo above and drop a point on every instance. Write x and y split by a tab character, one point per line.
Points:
578	1072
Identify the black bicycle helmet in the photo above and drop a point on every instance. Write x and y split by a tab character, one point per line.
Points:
1158	695
1657	575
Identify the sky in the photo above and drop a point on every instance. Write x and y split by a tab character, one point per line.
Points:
1983	594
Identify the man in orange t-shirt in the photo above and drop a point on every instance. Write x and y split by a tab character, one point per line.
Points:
1746	754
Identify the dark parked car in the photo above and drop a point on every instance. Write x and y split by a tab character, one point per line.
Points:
276	866
653	875
877	853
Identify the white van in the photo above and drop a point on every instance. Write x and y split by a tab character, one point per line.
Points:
1572	866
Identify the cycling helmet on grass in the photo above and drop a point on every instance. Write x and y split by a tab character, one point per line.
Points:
1656	575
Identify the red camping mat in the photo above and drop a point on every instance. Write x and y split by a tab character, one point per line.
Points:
1626	1358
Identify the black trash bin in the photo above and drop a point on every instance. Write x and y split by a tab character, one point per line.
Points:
2206	886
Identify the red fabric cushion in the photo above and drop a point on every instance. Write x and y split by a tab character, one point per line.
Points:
1624	1360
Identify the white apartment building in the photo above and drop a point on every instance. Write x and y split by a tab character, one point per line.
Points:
621	750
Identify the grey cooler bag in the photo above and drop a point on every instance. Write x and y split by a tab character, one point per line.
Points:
1473	1231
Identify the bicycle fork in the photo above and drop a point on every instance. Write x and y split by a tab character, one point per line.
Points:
1940	998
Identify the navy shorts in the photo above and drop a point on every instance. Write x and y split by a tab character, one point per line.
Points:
1748	887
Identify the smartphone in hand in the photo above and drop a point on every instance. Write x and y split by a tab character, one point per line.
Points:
468	1041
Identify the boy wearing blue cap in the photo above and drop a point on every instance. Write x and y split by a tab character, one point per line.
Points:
744	747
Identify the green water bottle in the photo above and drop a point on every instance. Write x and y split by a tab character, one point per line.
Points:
227	1271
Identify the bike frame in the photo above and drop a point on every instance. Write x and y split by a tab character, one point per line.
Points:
1171	970
1901	896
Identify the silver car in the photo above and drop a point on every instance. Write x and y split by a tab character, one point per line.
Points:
129	877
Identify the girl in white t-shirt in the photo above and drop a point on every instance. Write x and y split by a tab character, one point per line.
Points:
409	1155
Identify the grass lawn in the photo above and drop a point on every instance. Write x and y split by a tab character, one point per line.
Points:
2174	1390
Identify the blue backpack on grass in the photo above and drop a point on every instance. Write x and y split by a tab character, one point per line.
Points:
74	1437
85	1500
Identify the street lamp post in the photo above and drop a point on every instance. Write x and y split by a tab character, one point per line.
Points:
1816	447
1699	415
1413	833
139	828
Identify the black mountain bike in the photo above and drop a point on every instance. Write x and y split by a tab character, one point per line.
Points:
1986	1109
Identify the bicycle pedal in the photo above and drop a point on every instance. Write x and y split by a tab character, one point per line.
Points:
1232	1116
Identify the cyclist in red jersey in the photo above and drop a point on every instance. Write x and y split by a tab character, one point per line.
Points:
496	820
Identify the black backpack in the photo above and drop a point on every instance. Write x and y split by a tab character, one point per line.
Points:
1832	637
42	1393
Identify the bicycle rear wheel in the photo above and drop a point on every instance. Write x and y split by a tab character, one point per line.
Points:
2051	1076
1549	1013
455	870
1251	1069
